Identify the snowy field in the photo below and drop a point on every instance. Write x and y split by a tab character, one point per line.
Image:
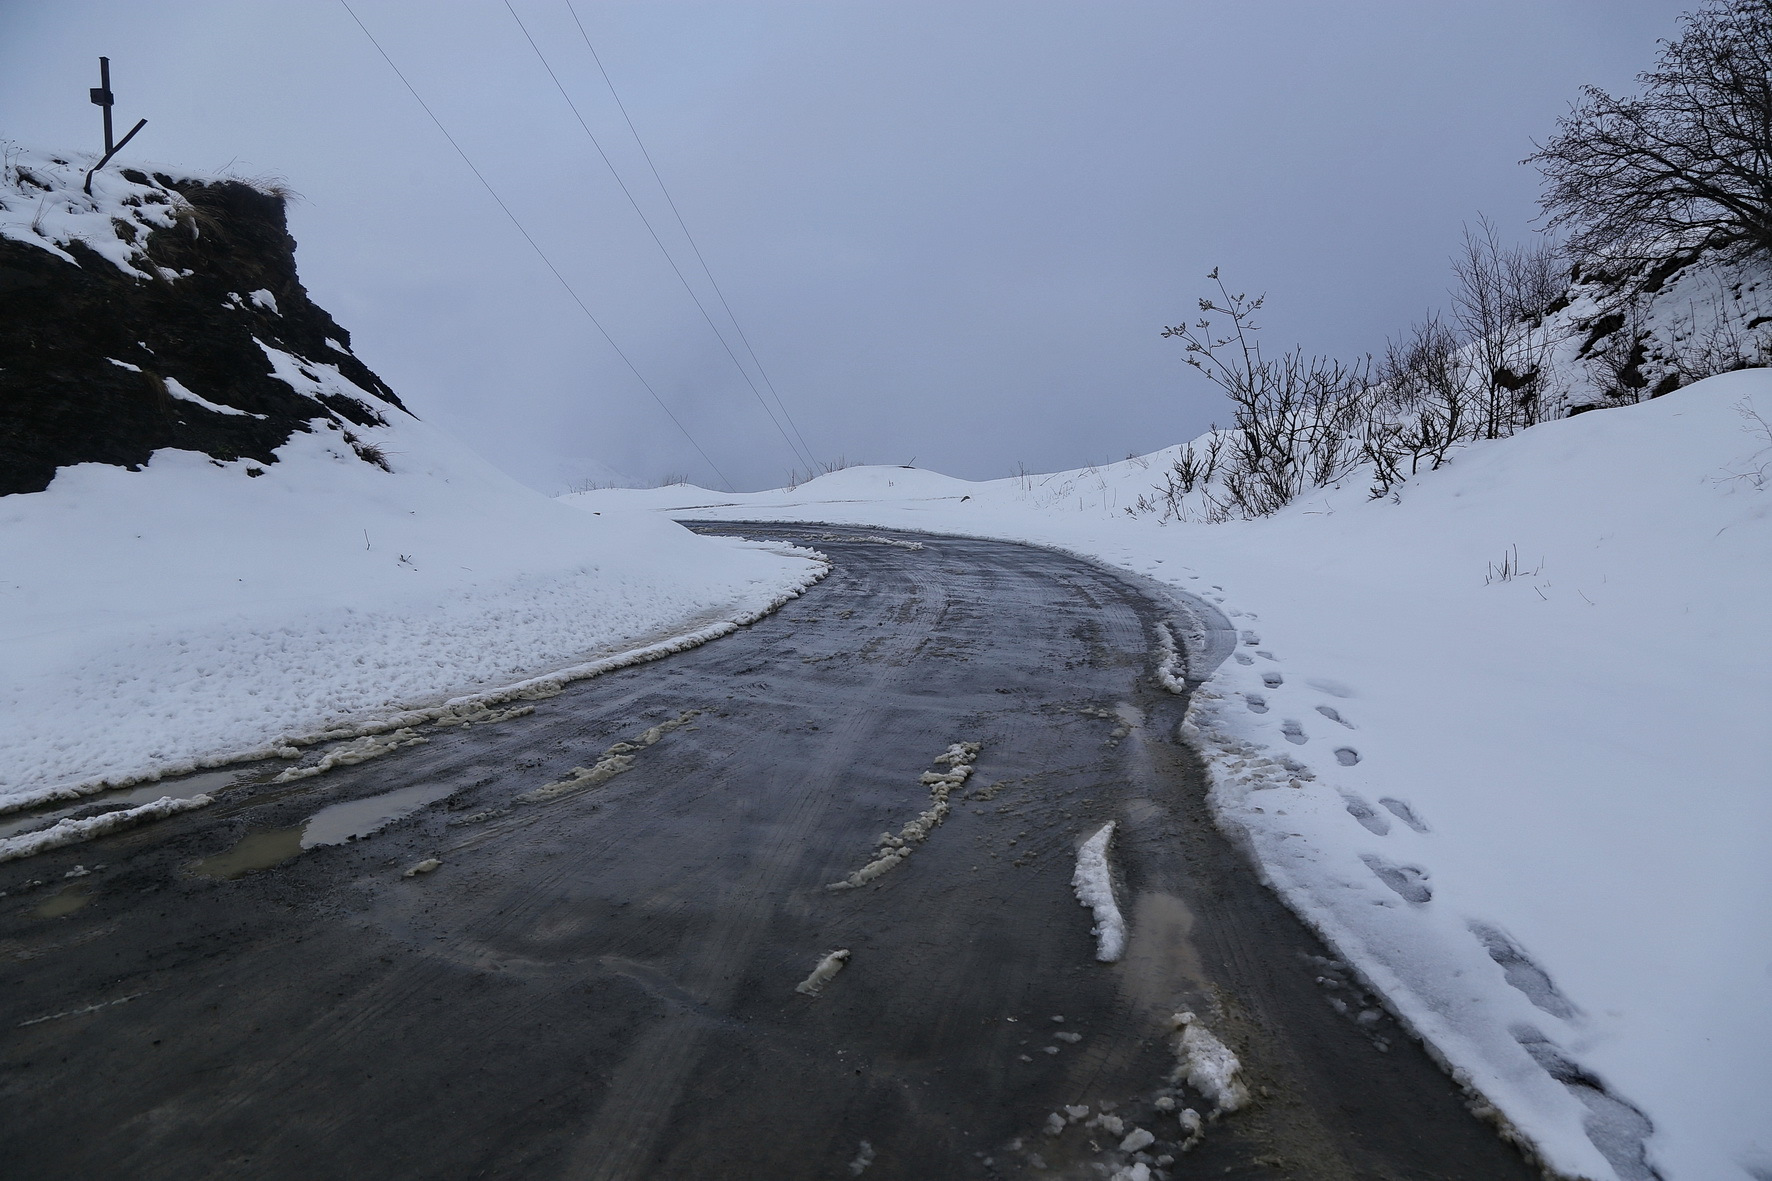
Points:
1503	740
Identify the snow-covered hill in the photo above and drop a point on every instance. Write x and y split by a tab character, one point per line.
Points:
226	536
1503	739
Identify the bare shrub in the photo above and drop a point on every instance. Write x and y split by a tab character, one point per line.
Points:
1294	417
1422	403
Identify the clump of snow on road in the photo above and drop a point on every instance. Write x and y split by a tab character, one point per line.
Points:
1565	766
1170	666
1093	881
824	973
1207	1065
958	759
872	539
73	832
370	746
614	761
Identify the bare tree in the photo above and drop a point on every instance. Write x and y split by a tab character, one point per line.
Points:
1690	157
1500	302
1295	418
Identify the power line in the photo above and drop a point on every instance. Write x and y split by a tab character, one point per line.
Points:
681	278
533	245
685	228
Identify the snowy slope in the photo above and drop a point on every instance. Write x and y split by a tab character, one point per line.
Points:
1503	741
158	620
359	566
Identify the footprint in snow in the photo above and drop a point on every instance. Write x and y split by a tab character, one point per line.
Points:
1367	815
1347	756
1522	972
1405	813
1244	658
1251	639
1272	680
1409	881
1294	732
1334	715
1256	702
1266	655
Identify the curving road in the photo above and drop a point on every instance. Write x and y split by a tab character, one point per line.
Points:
599	981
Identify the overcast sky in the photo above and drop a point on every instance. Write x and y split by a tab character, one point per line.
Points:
952	231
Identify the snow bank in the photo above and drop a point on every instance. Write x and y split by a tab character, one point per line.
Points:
73	832
181	616
1503	742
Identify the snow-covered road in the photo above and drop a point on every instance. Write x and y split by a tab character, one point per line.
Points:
599	940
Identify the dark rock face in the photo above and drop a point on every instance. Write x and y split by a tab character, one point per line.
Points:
63	401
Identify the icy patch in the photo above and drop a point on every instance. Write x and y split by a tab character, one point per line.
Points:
73	832
822	975
1093	882
1207	1064
428	865
959	759
613	762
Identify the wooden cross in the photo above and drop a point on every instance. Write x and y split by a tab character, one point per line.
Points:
102	97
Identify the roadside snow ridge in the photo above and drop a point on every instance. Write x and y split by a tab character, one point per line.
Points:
1095	889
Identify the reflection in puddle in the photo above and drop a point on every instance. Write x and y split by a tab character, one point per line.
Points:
145	793
255	851
329	826
360	818
67	900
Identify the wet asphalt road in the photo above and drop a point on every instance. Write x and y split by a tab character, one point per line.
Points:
601	985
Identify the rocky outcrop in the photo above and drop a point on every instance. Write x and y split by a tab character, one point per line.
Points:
170	315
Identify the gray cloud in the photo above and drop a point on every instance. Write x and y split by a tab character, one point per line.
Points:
951	230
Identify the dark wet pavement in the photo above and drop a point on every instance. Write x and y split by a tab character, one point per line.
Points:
601	985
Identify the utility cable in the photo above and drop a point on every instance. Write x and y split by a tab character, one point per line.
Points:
685	228
681	278
533	245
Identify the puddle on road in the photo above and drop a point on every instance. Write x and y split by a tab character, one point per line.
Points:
1162	968
333	825
144	793
67	900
